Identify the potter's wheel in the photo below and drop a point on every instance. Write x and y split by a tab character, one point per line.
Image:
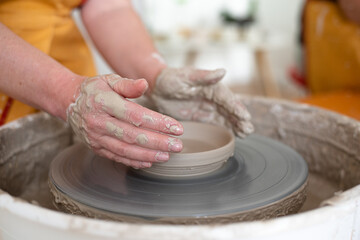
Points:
264	176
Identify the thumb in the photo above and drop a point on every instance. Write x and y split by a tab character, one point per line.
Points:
127	88
206	77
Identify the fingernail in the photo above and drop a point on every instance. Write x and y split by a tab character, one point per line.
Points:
215	76
244	128
241	111
175	145
162	157
176	129
248	127
145	164
246	115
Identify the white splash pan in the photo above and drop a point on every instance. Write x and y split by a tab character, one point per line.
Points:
299	126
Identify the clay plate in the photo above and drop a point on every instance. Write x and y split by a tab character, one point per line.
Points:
206	148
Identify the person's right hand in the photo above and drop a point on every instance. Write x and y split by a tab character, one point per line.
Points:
197	95
118	129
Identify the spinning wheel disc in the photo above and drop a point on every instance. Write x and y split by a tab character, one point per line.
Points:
261	172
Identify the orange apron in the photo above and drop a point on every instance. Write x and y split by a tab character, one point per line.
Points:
48	26
332	44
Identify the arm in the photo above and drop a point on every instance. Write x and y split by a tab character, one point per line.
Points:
120	36
96	108
187	94
351	9
34	78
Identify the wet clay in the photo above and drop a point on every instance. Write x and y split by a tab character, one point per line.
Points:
206	147
26	149
147	118
158	57
114	130
92	92
142	139
327	141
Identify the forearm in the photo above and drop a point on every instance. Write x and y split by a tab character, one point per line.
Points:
351	8
122	39
34	78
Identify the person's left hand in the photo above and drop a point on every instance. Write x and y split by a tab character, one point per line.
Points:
193	94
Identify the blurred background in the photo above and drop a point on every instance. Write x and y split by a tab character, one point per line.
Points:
256	41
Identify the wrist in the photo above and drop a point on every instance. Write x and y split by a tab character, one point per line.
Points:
151	68
66	94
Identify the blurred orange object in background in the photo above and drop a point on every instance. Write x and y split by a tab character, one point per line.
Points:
343	102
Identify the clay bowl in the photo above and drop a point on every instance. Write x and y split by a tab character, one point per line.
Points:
206	148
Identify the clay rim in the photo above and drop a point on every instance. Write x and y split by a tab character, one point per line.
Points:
187	159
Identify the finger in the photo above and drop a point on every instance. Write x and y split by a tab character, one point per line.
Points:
140	116
206	77
240	132
131	151
140	137
231	108
241	110
205	112
128	88
146	118
123	109
241	128
128	162
246	127
224	98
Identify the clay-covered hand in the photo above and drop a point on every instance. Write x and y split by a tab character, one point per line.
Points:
118	129
193	94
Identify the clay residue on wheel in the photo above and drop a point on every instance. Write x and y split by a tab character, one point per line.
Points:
329	142
26	149
288	205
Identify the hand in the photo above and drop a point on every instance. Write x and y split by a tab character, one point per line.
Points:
118	129
192	94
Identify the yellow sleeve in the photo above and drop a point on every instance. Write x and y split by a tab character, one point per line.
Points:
47	25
